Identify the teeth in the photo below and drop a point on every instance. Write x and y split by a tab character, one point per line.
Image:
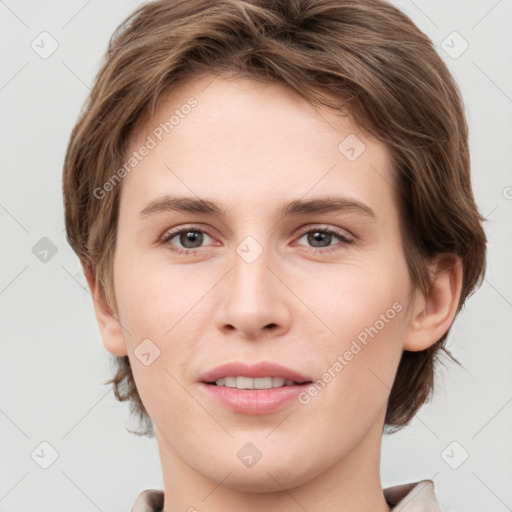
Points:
241	382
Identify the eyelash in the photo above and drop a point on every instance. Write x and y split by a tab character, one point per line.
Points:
344	240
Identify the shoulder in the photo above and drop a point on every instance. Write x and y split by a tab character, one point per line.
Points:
150	500
413	497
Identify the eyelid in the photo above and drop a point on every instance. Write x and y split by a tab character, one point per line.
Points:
172	232
344	236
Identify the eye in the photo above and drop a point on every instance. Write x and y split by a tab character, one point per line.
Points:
320	238
190	238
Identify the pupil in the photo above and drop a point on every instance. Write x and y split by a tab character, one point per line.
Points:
191	236
318	236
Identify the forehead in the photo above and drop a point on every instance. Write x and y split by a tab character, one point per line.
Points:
213	136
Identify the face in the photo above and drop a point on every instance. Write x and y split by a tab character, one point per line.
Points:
294	257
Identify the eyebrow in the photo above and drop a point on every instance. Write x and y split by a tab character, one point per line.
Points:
326	204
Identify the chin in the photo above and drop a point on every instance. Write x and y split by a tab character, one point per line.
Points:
266	479
275	471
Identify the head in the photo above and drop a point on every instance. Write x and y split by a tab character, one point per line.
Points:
253	106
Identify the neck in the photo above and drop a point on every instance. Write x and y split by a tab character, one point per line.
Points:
349	484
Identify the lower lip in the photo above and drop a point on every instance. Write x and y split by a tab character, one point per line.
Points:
253	401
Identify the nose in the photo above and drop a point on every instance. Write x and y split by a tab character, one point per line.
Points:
253	301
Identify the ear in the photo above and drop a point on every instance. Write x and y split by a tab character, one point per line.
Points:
110	328
432	315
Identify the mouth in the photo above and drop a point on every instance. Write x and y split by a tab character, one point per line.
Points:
243	382
262	375
253	389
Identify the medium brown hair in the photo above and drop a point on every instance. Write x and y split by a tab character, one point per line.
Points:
363	58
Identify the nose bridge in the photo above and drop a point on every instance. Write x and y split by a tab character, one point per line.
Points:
251	277
253	298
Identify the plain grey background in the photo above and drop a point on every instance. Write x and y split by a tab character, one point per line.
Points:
52	362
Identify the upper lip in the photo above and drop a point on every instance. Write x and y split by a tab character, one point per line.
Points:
261	369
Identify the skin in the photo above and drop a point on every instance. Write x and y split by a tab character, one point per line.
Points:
251	147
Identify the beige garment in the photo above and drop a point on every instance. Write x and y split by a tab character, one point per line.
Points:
413	497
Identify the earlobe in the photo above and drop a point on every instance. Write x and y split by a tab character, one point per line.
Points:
110	329
433	315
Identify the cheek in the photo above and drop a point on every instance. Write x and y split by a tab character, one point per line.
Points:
357	355
154	299
350	298
160	308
